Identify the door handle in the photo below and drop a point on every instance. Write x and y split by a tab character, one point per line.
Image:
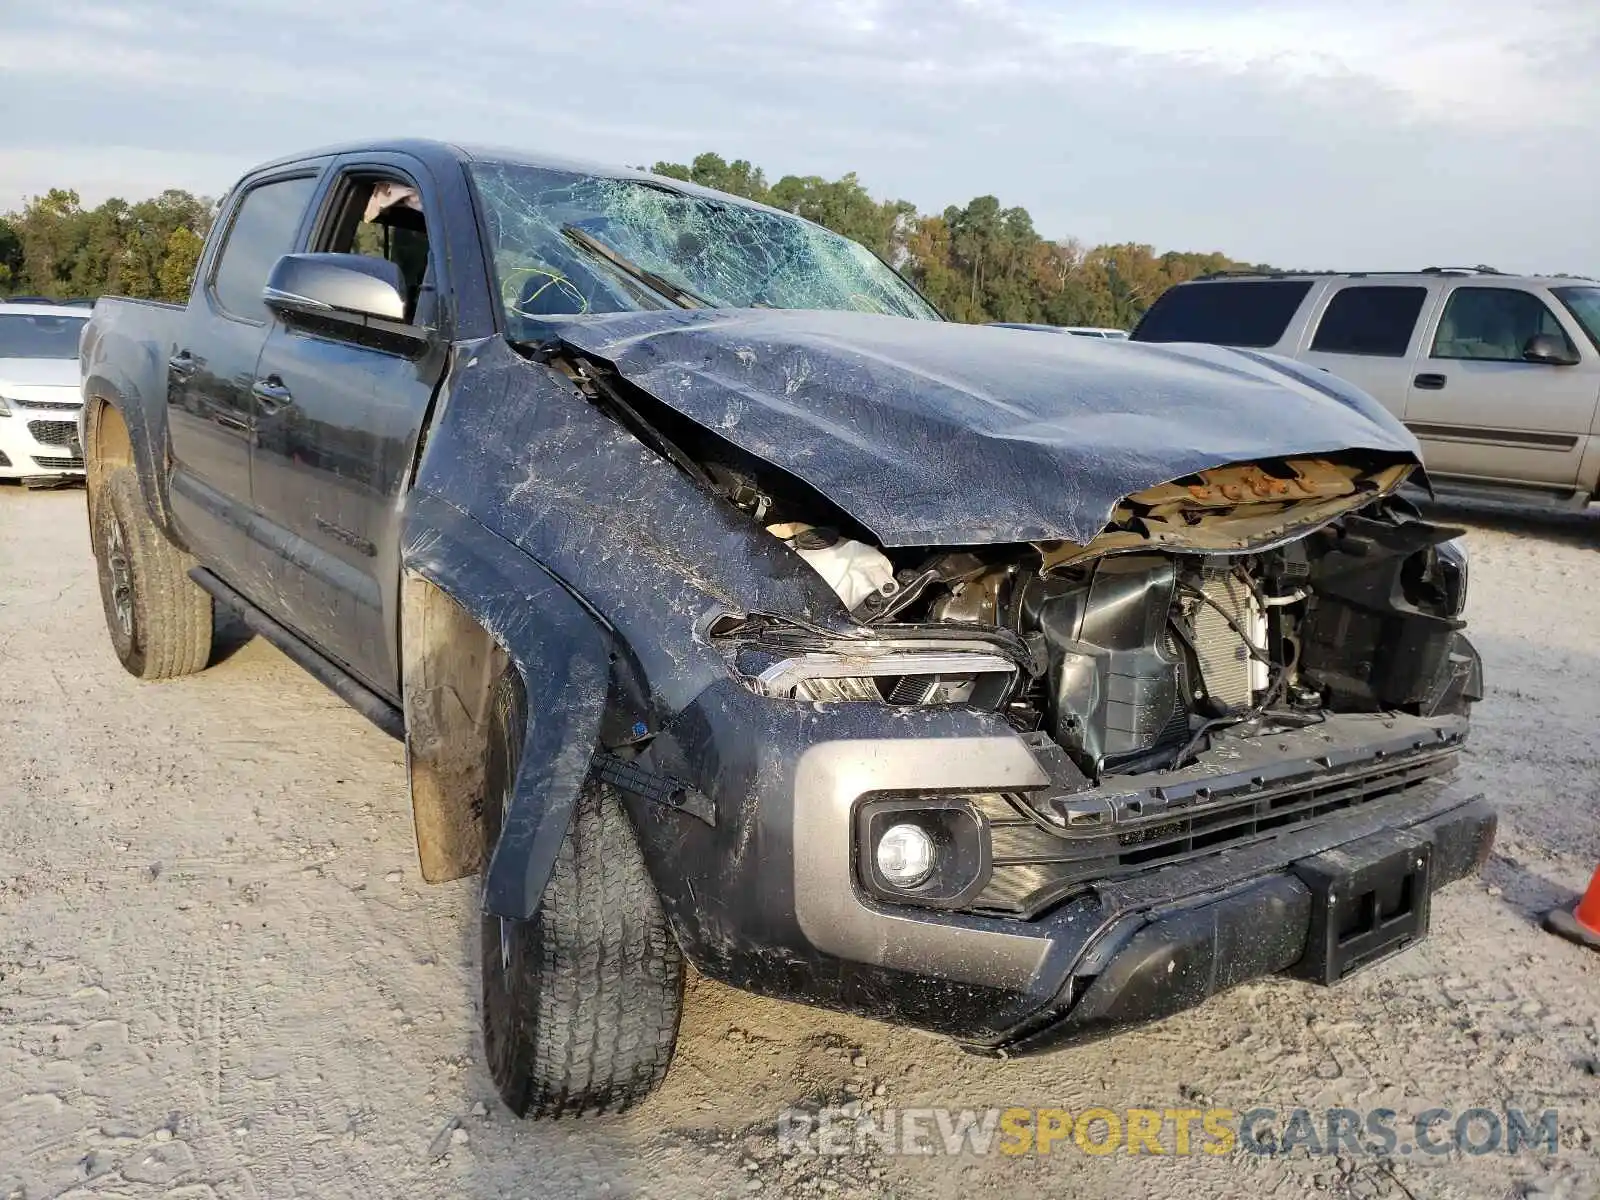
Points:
182	364
271	394
1430	382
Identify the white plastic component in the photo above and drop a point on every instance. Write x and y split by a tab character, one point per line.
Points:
852	569
1256	623
1293	597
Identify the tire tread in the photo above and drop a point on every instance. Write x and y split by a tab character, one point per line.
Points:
172	613
598	976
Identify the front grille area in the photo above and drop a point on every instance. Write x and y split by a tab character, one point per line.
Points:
51	405
1036	865
62	463
54	433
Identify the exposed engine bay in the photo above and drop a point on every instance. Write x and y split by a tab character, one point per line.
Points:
1131	658
1239	600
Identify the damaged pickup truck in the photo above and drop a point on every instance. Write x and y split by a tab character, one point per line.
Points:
735	608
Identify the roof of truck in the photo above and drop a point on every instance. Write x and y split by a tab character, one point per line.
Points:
436	153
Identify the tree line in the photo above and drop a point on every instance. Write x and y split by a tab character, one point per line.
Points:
977	262
56	247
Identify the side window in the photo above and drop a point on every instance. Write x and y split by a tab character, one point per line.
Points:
1370	320
1254	313
1493	324
262	232
382	218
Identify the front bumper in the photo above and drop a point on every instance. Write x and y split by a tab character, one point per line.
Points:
1170	957
38	441
761	886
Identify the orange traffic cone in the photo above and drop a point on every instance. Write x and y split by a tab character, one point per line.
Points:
1581	922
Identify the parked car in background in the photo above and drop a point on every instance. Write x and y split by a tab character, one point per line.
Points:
1497	375
39	397
1089	331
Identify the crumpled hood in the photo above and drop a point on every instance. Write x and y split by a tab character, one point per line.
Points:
941	434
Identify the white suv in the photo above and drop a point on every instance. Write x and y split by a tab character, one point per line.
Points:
39	390
1497	375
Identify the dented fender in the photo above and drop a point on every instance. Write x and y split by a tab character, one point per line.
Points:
563	655
132	381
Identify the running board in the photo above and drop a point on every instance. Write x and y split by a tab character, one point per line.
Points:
1453	490
321	668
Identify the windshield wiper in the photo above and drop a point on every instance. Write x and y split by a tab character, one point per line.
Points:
680	296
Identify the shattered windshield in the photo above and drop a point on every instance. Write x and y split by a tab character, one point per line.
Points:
567	244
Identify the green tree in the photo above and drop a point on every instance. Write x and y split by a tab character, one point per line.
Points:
50	229
10	256
846	207
737	178
56	247
179	260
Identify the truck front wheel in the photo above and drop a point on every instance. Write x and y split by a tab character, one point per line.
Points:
581	1003
159	619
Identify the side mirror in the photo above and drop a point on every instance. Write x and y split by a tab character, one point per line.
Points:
347	286
1549	349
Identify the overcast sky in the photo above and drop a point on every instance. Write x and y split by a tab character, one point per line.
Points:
1307	133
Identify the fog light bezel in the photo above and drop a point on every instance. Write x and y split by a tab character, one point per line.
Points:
960	835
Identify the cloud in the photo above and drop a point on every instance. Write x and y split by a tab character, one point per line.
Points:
1305	133
1457	62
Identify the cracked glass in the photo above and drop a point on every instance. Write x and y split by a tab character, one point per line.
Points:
568	244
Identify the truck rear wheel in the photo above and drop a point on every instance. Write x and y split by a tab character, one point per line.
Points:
581	1003
159	619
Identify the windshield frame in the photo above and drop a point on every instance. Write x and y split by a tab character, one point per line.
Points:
79	321
1560	292
501	309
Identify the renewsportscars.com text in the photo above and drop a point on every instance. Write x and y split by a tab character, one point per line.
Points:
848	1129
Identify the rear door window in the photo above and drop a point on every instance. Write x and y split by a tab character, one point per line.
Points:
1494	324
1232	313
1375	321
262	232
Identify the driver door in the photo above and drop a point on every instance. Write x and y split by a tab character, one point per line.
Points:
339	415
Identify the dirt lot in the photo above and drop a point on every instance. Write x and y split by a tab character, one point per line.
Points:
221	975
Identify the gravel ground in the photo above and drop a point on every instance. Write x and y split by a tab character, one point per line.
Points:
221	974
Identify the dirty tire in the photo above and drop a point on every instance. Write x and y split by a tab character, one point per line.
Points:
159	619
581	1003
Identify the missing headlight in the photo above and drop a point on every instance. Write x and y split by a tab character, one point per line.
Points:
905	666
892	677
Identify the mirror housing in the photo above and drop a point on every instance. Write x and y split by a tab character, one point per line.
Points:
1549	349
336	285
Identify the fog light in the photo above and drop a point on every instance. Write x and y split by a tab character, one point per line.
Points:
905	855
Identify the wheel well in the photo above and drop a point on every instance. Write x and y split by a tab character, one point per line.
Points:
448	667
108	444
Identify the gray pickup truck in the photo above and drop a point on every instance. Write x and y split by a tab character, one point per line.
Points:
734	607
